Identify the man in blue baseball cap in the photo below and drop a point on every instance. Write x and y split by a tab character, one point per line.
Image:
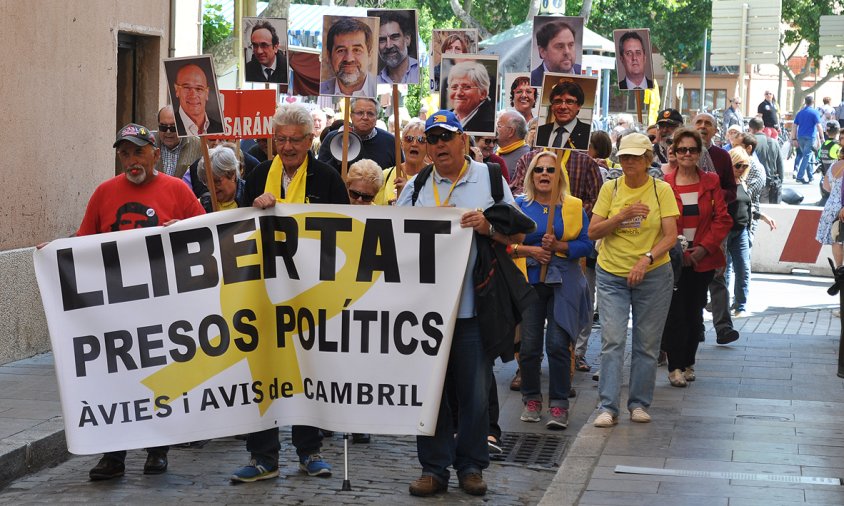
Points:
457	180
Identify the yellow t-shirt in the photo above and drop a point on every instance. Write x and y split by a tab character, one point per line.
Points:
627	244
388	189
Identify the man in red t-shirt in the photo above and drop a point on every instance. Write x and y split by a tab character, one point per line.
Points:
139	197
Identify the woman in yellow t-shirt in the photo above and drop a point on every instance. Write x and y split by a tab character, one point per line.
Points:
636	219
415	151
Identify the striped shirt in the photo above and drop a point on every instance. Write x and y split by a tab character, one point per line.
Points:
691	213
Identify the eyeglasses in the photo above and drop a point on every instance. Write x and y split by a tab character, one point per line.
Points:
262	45
548	170
365	114
567	101
281	141
462	87
686	151
435	138
166	128
192	89
418	138
741	166
355	195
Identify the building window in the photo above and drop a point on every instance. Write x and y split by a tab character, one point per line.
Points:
715	99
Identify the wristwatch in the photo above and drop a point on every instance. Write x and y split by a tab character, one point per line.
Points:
650	257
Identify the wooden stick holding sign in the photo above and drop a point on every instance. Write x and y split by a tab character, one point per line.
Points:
639	99
209	175
552	208
397	131
344	166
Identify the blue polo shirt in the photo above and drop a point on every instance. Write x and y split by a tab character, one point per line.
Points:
806	121
471	192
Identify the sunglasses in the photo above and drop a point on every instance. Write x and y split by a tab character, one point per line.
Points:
548	170
686	151
360	196
435	138
418	138
166	128
489	141
741	166
652	137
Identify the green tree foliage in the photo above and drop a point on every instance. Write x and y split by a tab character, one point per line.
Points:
676	25
803	20
215	28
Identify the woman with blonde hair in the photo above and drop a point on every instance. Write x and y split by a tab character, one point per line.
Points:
563	307
415	150
363	182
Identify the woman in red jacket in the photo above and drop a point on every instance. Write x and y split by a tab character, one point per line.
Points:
705	223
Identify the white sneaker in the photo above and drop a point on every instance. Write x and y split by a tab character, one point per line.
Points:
639	415
836	313
605	419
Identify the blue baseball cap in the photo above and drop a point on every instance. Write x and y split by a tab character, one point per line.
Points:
443	119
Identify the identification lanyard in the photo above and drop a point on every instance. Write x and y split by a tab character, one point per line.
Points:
457	180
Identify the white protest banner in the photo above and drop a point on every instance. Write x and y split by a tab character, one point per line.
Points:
333	316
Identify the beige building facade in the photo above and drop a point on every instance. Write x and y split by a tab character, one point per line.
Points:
71	73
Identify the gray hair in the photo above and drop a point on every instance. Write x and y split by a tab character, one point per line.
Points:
474	71
224	164
516	121
366	99
414	124
294	115
365	170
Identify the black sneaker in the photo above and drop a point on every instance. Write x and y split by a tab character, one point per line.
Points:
727	337
106	469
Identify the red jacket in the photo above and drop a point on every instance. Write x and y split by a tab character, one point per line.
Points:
714	223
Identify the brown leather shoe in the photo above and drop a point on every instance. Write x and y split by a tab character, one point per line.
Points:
516	384
426	485
473	483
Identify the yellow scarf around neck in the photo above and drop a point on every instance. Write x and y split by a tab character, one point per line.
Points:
295	193
512	147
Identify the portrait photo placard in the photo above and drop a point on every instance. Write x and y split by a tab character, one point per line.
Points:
349	56
634	59
468	87
398	45
464	41
265	50
195	96
567	105
556	46
520	95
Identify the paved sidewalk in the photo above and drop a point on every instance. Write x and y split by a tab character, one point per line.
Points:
770	403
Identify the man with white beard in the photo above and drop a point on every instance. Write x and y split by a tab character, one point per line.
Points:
394	40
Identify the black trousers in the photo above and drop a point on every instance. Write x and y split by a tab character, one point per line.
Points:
684	324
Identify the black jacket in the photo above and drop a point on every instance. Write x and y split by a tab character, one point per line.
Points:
579	137
255	74
323	184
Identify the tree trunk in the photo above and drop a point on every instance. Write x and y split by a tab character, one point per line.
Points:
585	11
468	20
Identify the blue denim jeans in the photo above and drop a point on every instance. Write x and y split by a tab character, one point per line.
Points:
738	259
649	301
557	343
807	156
264	446
469	373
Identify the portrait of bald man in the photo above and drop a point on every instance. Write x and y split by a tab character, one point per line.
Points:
193	92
